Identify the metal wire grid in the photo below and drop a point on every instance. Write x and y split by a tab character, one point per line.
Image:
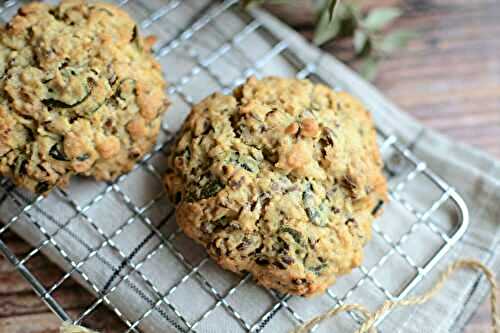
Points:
402	167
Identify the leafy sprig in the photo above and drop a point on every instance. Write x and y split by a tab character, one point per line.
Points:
368	30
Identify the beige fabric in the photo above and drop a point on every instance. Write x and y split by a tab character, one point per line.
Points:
474	175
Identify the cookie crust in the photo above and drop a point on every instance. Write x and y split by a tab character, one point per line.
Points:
80	93
280	179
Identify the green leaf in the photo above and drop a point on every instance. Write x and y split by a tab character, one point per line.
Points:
277	2
396	40
326	29
332	6
248	3
319	5
360	41
379	18
354	9
344	11
369	68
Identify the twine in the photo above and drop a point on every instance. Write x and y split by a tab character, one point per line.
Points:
372	317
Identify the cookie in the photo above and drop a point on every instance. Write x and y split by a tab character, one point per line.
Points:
80	94
281	179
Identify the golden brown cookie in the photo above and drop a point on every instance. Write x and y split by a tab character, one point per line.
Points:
282	179
80	93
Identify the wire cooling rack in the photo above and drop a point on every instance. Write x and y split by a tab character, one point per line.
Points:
206	46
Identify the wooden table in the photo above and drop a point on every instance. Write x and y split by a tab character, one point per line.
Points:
449	78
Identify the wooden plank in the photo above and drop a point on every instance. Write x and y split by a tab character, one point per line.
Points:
449	77
29	303
35	323
12	282
48	323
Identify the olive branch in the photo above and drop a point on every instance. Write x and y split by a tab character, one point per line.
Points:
367	29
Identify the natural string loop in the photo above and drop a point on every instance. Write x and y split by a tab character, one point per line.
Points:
372	317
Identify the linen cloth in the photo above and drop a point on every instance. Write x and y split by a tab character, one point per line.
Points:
98	227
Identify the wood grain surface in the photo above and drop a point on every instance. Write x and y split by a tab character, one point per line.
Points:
449	78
